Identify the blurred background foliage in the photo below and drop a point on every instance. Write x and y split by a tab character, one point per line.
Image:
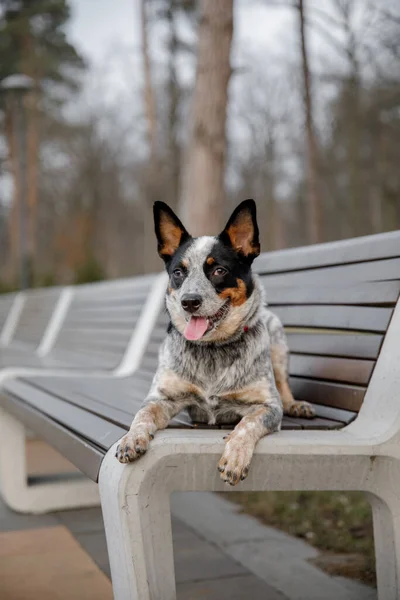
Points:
312	133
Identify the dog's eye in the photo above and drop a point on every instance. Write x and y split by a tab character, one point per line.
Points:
219	272
178	273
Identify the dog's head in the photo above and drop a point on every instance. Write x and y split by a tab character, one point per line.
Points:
210	281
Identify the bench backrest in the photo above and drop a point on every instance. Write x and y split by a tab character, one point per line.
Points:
6	303
336	301
100	321
37	309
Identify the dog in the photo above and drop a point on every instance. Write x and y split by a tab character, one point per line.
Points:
225	357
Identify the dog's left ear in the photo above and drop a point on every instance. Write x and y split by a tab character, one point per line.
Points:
241	231
169	231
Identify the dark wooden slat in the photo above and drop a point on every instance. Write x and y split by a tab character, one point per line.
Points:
346	397
331	368
336	344
95	429
374	293
77	450
353	318
106	411
355	250
380	270
117	394
335	414
310	424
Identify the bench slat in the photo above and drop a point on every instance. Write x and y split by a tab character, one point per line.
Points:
336	344
336	395
97	430
335	317
340	252
35	316
330	368
380	270
80	452
376	293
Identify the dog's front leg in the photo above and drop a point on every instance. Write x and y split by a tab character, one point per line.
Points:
168	396
240	444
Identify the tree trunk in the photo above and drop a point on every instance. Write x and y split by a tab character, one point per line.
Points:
174	151
149	99
313	187
33	149
13	255
203	190
152	183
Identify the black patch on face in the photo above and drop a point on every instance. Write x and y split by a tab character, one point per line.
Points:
176	263
237	268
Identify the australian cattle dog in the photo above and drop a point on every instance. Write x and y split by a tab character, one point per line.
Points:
225	356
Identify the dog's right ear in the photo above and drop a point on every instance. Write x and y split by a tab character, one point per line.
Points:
169	231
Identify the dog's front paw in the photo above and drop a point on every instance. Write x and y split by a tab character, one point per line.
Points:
133	445
235	461
301	409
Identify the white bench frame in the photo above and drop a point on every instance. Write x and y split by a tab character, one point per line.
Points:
363	456
44	497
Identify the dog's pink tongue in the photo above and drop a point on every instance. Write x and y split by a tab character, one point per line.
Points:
196	328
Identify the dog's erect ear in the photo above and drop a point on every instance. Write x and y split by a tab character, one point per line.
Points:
169	230
241	231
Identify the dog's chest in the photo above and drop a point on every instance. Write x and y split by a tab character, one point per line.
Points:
214	370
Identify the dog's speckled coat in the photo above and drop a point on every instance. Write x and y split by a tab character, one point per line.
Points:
238	369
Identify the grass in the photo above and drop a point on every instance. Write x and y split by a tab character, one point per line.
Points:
338	524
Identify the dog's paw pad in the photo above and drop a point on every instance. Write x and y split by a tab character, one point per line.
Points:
235	463
131	447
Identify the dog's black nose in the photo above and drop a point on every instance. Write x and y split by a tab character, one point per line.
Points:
191	302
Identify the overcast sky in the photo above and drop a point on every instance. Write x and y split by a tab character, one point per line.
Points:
105	30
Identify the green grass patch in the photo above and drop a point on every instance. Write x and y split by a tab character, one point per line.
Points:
338	524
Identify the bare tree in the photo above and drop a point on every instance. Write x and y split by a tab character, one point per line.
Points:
149	96
203	190
313	187
152	183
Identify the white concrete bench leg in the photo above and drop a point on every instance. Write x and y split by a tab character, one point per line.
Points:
41	497
137	519
135	498
386	516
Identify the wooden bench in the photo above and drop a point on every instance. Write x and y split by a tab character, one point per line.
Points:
89	327
339	302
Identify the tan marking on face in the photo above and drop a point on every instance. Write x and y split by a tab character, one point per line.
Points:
171	384
230	324
185	263
254	394
210	260
241	234
171	235
237	295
